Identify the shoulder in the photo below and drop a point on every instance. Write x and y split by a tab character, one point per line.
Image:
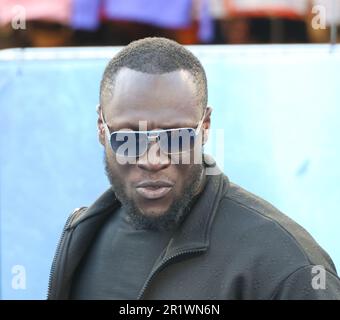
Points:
269	232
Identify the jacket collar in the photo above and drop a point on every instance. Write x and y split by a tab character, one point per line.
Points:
105	204
194	232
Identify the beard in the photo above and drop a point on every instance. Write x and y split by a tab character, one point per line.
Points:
173	216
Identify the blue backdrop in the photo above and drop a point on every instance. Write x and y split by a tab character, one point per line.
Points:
278	107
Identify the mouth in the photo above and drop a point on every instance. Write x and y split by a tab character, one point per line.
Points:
152	190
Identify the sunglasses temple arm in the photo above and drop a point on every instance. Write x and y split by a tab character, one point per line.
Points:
106	129
198	129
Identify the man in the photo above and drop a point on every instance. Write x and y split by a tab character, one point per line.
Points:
172	226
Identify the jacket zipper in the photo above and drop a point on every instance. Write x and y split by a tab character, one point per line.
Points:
57	253
163	264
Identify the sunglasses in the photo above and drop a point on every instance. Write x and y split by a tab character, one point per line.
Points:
136	143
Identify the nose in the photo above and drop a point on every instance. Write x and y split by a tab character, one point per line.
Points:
153	159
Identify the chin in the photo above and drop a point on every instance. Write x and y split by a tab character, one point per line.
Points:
153	212
154	208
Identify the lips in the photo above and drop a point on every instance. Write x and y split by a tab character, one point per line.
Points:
154	189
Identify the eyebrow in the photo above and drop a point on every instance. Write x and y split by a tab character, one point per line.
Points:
134	127
125	124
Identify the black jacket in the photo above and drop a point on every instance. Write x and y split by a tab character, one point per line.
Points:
232	245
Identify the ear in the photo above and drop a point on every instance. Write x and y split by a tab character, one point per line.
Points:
206	124
100	126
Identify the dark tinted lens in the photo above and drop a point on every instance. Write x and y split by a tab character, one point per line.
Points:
177	141
128	144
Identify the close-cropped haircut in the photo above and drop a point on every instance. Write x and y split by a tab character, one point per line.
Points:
154	56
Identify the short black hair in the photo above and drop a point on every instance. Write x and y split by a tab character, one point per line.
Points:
155	55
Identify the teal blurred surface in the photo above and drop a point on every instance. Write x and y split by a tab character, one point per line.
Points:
275	131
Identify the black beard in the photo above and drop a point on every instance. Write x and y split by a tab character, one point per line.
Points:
171	218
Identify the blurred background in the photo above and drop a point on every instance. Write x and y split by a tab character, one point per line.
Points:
273	81
51	23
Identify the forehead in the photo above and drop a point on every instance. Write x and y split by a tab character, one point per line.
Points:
163	100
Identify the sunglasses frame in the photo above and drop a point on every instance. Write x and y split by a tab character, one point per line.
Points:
152	135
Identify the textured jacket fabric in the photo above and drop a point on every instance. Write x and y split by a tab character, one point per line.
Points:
232	245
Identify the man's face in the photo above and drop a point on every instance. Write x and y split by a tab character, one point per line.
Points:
153	187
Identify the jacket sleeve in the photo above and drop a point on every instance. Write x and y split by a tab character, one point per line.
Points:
309	283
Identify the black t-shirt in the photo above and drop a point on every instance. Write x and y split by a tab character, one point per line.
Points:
119	260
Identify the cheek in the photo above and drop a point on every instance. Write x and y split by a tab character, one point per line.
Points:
119	172
182	173
188	159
